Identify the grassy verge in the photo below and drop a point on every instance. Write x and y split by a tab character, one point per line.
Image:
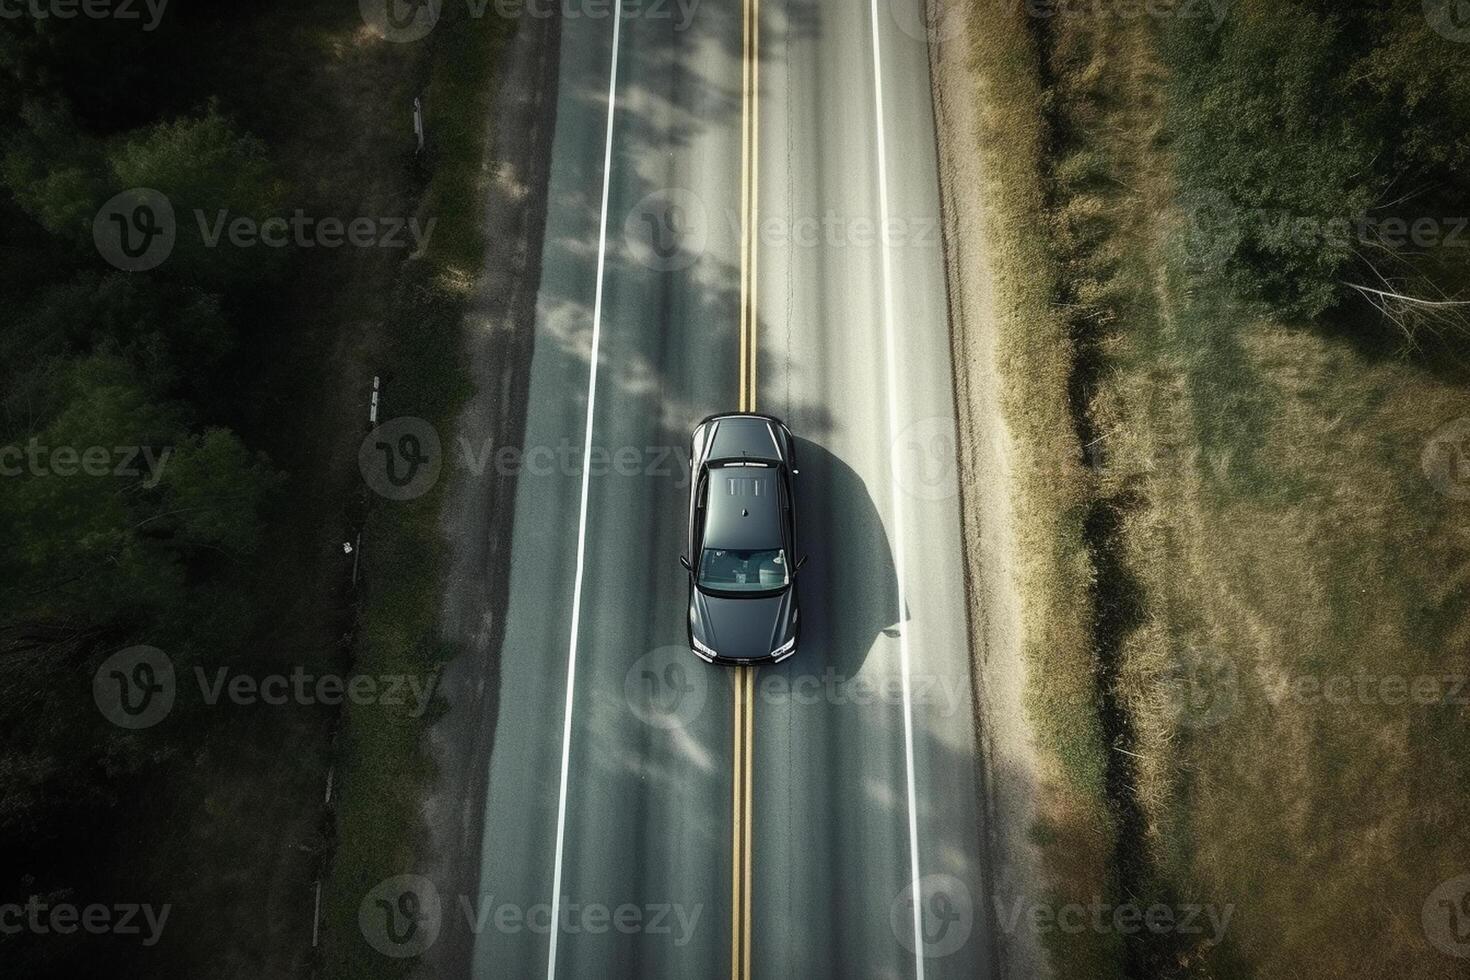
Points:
385	768
1036	352
1273	552
1304	607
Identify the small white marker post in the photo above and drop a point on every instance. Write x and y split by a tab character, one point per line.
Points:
316	914
418	121
373	403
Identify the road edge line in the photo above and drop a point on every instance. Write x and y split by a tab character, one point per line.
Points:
891	376
566	743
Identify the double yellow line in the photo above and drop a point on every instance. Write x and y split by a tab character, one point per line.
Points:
750	117
740	852
744	727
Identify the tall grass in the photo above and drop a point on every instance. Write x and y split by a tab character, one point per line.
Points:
1036	356
1272	570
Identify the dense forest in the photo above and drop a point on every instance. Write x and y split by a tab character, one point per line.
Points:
103	370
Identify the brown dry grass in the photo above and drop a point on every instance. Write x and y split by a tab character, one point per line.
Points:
1314	549
1050	488
1274	528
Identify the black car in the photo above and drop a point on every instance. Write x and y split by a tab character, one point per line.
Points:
742	538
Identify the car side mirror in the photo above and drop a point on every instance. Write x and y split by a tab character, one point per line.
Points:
684	560
799	562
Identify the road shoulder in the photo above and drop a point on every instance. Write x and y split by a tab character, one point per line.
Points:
1008	746
499	335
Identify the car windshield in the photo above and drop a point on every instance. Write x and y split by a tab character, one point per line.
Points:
727	570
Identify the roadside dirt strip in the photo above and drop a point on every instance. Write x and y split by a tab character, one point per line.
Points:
500	331
1012	766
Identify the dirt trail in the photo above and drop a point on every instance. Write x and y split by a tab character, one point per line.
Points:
1012	764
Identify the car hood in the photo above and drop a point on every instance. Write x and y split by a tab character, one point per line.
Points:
747	628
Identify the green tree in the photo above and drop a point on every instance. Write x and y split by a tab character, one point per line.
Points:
206	167
98	552
1315	123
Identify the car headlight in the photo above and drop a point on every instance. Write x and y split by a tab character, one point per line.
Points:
700	648
785	650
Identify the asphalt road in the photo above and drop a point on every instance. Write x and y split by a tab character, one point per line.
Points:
614	818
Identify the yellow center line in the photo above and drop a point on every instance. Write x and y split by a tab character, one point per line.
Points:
737	866
743	730
749	676
753	317
745	230
743	821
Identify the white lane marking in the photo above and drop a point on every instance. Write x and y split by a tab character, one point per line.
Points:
566	736
890	350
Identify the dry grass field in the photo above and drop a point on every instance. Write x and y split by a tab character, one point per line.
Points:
1263	520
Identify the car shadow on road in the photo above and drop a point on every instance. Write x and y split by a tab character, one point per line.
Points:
848	586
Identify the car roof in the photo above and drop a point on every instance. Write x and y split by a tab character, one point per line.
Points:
743	507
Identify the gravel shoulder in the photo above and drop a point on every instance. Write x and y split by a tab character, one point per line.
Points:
1012	764
499	331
